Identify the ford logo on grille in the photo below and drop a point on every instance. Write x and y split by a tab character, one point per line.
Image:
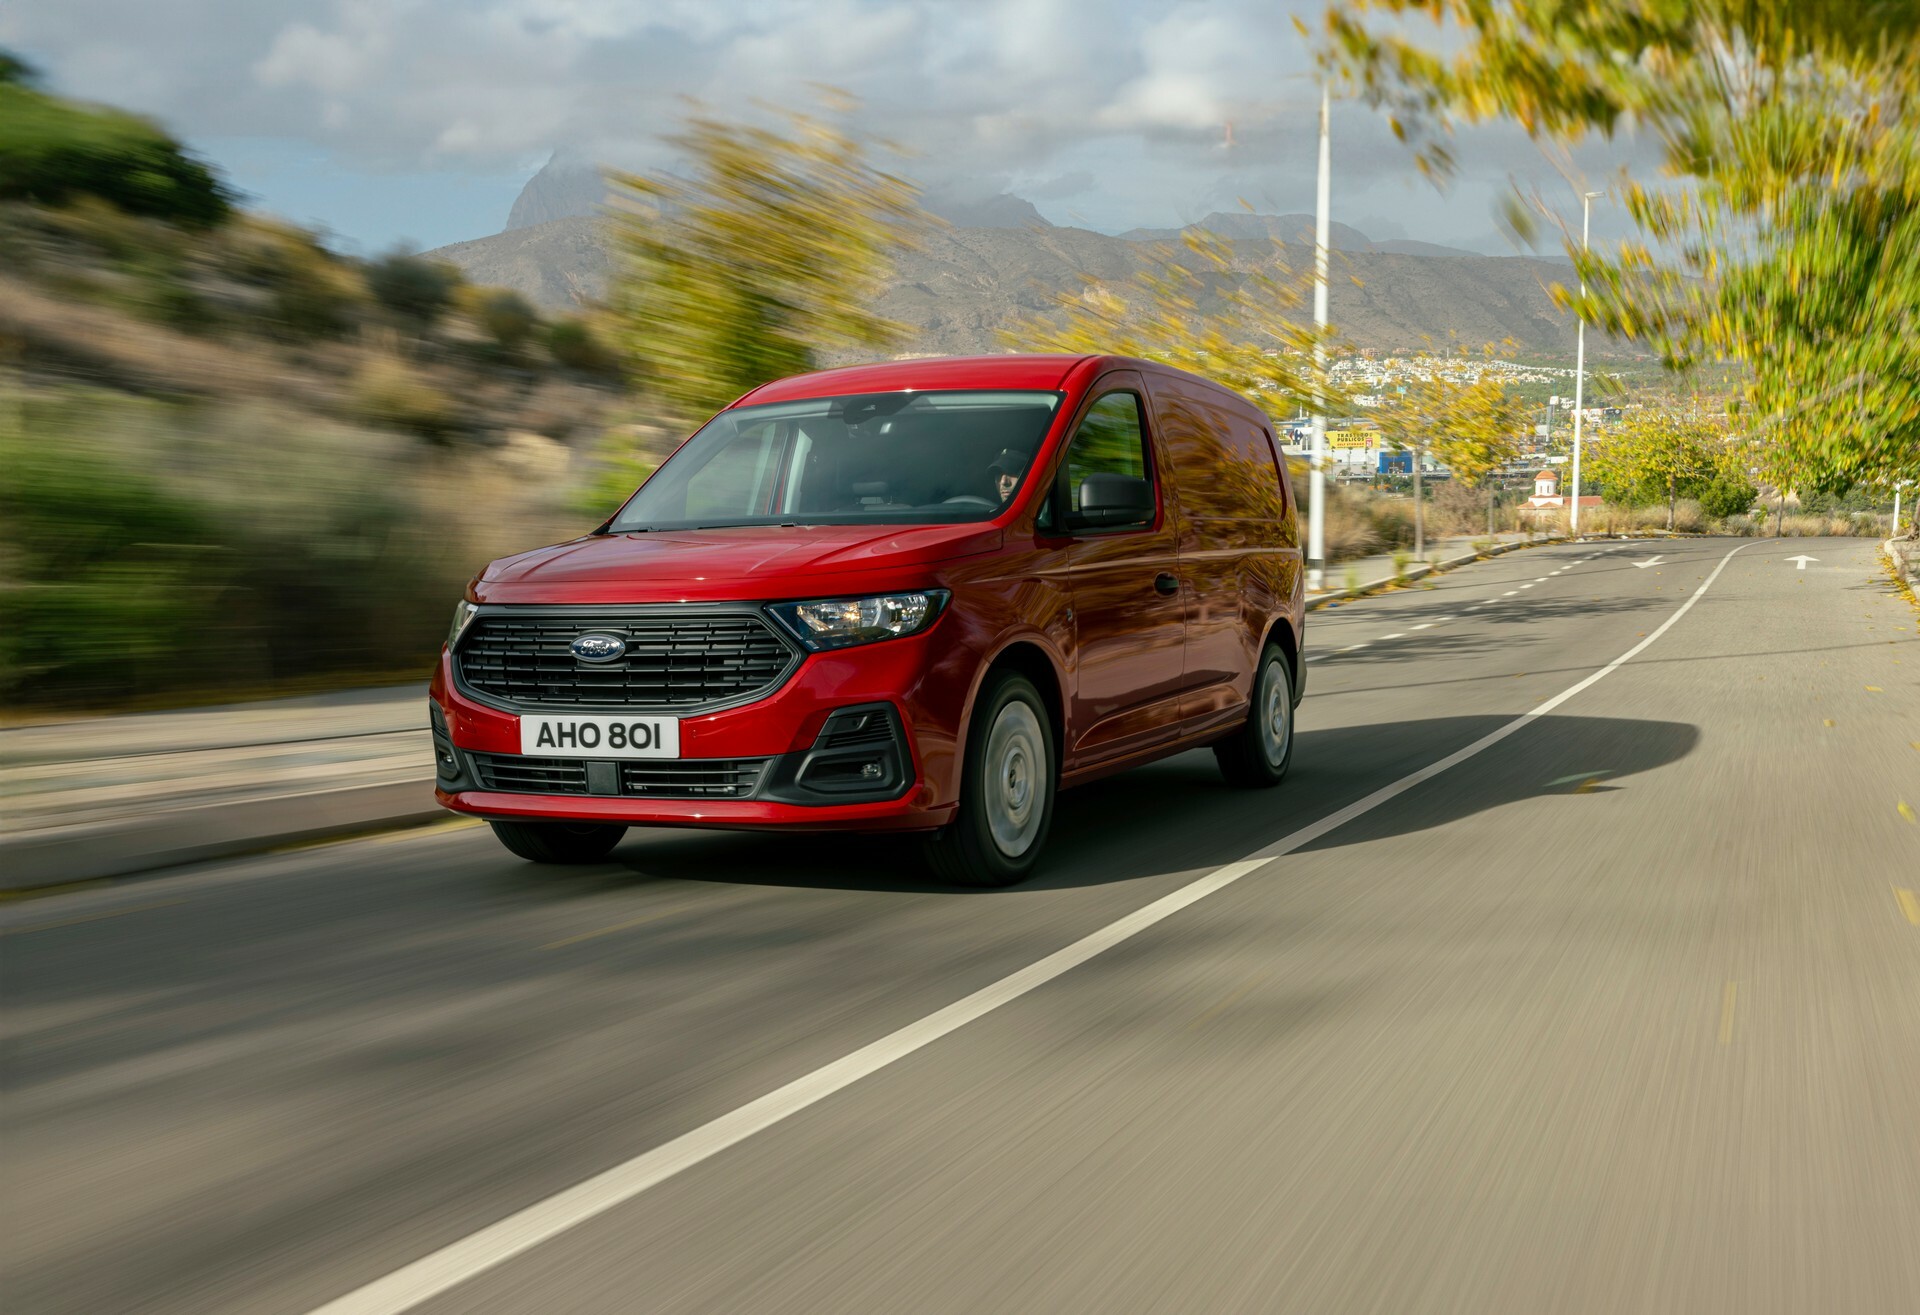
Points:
598	648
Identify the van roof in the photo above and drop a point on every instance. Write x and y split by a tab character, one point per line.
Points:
1011	372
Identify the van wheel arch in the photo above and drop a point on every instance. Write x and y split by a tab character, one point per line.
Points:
1280	635
1033	662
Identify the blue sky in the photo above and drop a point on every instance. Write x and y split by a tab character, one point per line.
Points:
418	120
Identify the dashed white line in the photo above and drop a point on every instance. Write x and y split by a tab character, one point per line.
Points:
1398	634
478	1252
1428	625
1510	593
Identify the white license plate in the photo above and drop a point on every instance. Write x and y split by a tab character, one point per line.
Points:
600	737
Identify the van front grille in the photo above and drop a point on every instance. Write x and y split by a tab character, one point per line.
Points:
518	775
667	778
672	661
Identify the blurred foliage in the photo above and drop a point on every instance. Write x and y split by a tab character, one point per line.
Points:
390	392
152	550
54	151
310	292
573	343
770	250
507	317
1199	307
620	463
1788	238
415	290
1473	427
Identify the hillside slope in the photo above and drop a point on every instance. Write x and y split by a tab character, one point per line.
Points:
966	283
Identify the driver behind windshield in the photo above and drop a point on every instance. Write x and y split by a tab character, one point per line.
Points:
1006	470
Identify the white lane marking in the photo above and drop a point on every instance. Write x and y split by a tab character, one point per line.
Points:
1526	586
1510	593
1543	579
497	1243
1398	634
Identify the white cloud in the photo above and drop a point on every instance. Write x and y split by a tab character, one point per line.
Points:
1133	94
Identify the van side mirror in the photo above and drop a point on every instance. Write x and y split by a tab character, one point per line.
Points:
1108	500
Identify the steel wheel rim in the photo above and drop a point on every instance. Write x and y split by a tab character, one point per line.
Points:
1014	778
1276	715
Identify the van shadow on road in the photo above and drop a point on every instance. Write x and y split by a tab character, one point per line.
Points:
1178	815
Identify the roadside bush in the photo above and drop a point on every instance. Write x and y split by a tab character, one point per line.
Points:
111	578
309	292
156	551
55	151
413	289
1727	495
573	344
390	392
507	317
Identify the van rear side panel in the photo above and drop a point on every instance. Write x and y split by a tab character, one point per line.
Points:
1239	553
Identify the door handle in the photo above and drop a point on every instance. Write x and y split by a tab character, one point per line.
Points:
1166	584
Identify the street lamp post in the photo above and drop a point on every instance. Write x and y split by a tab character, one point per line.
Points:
1580	371
1316	476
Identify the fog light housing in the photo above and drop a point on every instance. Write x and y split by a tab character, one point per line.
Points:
859	756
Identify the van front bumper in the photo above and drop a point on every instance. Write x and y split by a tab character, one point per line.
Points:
857	739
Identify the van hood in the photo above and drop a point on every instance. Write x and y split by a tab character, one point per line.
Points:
745	562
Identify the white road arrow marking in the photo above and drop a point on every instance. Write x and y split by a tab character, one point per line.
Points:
1651	561
1802	561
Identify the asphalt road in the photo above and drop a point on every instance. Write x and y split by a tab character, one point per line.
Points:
1619	1011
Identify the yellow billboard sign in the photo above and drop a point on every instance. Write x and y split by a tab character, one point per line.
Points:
1347	440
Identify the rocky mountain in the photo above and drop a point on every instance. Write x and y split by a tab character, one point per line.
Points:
567	186
965	283
1291	229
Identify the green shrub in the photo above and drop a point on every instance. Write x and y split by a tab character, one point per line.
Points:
111	577
54	152
414	290
573	344
1727	496
152	549
391	393
507	317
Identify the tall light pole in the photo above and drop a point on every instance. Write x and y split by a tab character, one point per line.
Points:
1316	477
1580	371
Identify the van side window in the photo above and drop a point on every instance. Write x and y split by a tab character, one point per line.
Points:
1111	440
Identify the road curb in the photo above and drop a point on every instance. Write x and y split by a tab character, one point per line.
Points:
1905	556
57	856
1336	596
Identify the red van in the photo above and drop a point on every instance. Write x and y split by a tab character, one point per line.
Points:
920	596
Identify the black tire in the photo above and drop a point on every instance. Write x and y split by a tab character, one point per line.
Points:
968	851
559	842
1256	756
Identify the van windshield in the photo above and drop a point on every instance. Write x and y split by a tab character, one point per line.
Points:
872	458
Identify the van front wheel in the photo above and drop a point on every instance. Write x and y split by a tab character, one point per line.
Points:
1257	755
1006	790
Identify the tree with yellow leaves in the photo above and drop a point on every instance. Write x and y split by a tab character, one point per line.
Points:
1203	305
1465	419
769	251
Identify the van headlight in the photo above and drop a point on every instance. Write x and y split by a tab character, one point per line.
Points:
463	614
843	622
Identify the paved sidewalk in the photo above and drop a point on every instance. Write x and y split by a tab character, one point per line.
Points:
101	796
